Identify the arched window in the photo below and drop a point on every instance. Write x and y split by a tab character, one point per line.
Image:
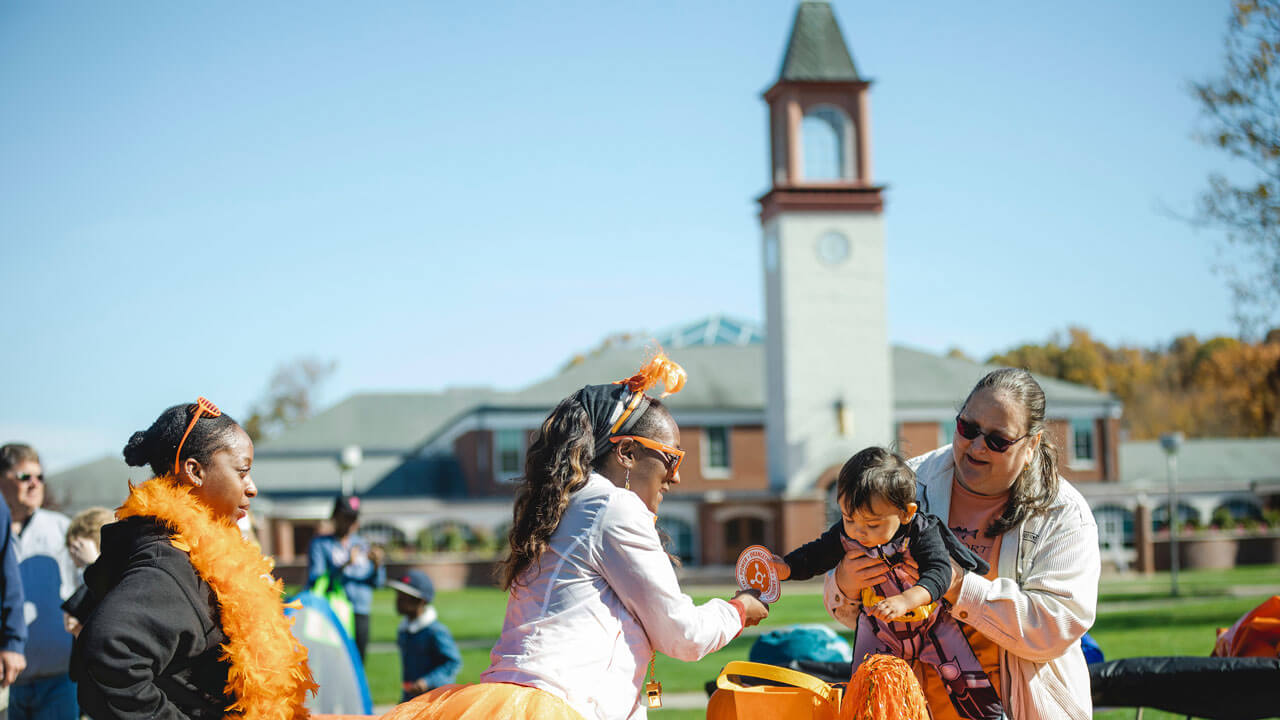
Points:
679	539
826	140
448	536
1187	515
1115	526
1239	510
384	534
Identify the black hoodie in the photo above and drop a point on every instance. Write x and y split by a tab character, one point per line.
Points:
150	644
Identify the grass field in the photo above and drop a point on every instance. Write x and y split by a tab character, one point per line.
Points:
1137	617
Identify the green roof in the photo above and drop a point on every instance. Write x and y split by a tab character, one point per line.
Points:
103	482
1202	462
723	357
378	420
925	380
816	50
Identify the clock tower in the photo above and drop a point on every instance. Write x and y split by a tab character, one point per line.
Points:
828	375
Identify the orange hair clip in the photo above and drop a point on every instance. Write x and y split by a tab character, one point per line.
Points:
660	369
203	407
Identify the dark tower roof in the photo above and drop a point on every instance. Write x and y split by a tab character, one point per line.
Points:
816	50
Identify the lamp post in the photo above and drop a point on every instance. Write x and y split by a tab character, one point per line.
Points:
1172	443
350	457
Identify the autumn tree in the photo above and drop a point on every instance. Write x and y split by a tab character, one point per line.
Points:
1222	387
290	396
1243	111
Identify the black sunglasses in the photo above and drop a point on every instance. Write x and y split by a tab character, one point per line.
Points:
996	443
25	477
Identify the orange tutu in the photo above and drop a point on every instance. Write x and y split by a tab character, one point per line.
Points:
485	701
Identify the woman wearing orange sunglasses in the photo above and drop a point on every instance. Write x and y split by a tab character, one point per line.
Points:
182	618
593	595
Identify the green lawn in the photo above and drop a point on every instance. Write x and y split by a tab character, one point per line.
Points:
1137	617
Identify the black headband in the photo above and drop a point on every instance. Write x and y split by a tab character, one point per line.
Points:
613	409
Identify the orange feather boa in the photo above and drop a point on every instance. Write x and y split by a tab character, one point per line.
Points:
884	688
269	676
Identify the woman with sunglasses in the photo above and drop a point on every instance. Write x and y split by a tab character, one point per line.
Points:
997	487
593	595
183	617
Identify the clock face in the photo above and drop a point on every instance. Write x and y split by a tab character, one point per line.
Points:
832	248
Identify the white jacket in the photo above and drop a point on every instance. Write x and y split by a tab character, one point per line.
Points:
584	624
1044	598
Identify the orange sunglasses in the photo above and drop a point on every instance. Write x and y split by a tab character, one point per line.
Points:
671	457
203	407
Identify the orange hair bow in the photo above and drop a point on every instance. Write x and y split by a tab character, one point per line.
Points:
660	369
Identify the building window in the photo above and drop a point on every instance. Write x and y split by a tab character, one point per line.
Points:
946	432
1115	527
825	136
716	459
1082	441
679	537
509	448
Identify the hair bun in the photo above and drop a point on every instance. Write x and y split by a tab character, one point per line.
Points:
135	451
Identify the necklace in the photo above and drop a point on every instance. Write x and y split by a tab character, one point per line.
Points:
268	678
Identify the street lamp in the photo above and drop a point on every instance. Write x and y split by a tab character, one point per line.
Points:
350	457
1172	443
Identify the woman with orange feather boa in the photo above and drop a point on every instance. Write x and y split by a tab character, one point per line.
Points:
183	617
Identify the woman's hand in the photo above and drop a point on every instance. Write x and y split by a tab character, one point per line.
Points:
957	580
753	611
856	572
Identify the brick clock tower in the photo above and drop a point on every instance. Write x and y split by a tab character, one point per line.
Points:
827	351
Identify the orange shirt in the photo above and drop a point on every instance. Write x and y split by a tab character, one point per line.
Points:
970	516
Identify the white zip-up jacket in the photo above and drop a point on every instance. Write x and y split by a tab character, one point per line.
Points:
1044	598
584	623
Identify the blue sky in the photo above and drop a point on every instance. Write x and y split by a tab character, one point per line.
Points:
442	194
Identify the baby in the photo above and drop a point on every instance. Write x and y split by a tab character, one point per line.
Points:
876	490
84	544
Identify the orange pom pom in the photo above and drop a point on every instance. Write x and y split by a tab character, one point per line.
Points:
660	369
883	688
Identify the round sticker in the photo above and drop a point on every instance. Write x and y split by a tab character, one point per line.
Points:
756	572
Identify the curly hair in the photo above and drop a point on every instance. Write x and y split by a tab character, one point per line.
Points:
558	462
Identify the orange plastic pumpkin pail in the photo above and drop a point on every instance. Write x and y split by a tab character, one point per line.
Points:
804	697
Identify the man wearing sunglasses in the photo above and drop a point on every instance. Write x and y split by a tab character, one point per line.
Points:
43	690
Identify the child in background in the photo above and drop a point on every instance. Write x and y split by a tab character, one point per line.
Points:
84	543
429	658
876	491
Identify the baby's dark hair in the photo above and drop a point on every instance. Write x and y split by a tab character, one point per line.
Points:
157	445
875	473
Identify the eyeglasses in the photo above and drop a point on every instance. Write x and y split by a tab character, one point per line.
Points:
671	456
970	430
28	477
203	407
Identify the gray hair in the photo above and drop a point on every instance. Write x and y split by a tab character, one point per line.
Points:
13	454
1036	486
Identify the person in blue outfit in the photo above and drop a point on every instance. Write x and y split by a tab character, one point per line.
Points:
44	690
429	658
13	622
349	559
